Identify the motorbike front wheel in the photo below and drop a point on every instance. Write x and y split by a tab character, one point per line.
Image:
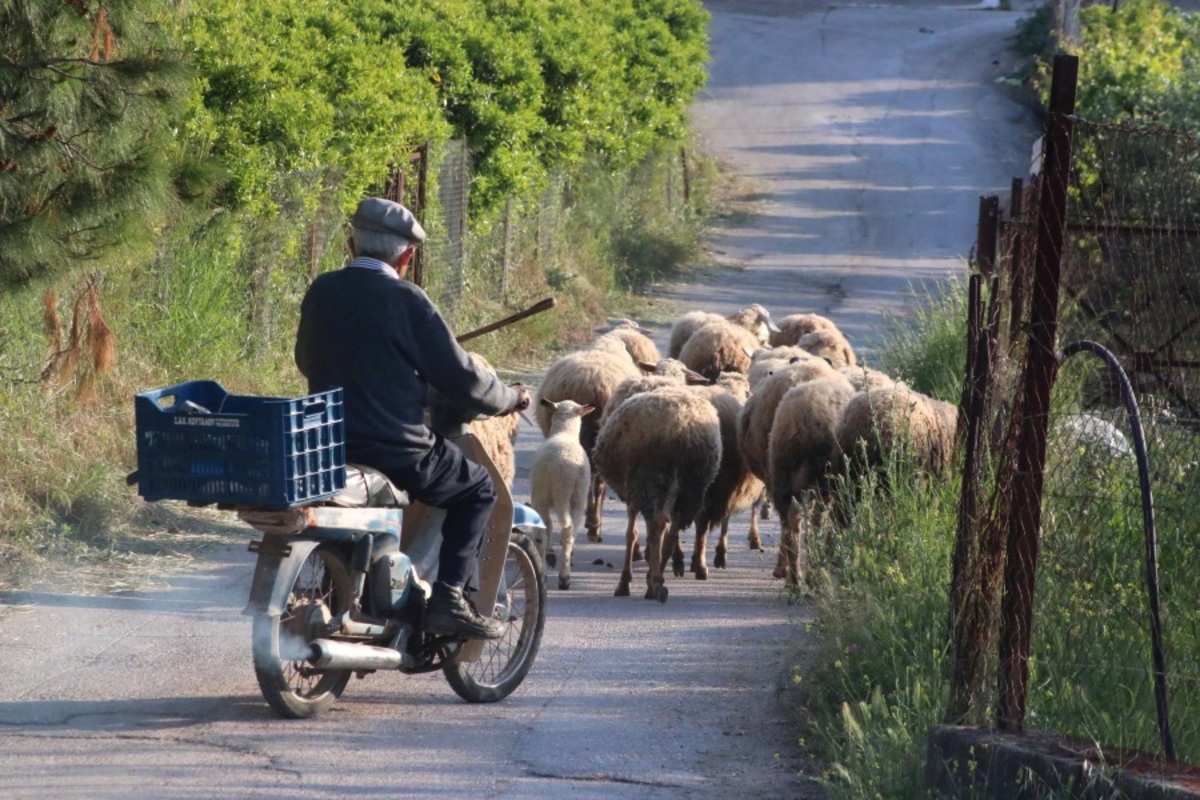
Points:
321	592
521	603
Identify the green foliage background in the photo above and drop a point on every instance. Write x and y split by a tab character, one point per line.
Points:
245	130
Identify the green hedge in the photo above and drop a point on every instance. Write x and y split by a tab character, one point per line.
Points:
534	85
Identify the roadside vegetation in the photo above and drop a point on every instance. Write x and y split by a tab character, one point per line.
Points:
170	182
880	679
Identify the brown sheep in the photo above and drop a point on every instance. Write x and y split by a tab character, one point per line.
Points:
794	326
719	347
659	451
803	446
753	318
733	490
877	427
829	344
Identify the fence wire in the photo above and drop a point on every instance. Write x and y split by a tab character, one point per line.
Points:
1130	261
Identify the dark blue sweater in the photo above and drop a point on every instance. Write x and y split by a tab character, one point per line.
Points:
384	343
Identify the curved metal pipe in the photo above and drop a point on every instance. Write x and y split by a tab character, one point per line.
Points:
1151	530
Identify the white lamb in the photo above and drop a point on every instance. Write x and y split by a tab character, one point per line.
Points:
560	477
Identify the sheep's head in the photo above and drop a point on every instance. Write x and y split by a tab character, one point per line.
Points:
675	369
757	320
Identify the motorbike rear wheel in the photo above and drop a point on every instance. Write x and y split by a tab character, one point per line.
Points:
321	592
505	662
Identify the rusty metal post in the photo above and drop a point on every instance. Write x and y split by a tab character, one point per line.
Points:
974	569
1016	611
1016	277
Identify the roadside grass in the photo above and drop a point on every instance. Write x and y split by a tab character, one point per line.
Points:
220	301
879	678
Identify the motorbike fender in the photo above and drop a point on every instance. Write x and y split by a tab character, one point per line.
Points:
274	573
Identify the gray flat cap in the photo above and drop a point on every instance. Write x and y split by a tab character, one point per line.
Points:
385	216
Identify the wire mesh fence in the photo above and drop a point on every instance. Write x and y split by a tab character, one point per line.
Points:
1104	247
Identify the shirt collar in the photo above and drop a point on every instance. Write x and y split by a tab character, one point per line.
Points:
373	264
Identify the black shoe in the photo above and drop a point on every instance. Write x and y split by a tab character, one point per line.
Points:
452	614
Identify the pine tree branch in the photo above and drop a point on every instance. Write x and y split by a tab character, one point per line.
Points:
52	63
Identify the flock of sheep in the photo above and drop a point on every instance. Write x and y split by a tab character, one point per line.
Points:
741	411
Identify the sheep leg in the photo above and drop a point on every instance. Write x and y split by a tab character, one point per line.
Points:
567	540
672	549
700	553
655	535
785	544
789	544
595	507
753	539
719	561
630	541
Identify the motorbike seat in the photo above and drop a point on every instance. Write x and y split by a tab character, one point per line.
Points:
368	488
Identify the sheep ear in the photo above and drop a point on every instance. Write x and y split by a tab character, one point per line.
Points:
797	360
548	404
647	367
749	353
585	410
696	379
828	360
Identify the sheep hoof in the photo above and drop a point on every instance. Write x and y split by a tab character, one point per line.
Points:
564	583
780	572
702	573
594	537
551	559
677	567
660	594
766	511
719	559
622	590
637	552
755	543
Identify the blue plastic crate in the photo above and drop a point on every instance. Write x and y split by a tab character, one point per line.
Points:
197	442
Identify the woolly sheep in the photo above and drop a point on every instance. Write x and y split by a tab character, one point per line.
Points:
867	379
878	426
684	327
802	447
753	318
733	490
794	326
667	372
659	451
588	377
719	347
767	360
560	477
497	435
830	344
754	426
639	346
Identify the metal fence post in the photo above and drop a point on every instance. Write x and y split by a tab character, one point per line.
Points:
1016	612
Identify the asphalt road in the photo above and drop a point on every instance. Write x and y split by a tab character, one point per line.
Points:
869	134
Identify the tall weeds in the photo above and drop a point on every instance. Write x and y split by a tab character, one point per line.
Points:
880	678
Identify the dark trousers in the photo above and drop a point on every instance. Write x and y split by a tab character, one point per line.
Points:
445	478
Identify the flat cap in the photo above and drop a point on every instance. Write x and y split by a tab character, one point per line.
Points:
385	216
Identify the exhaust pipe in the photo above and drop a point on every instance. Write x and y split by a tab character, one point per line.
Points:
328	654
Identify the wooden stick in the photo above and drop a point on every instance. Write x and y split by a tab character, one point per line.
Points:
538	308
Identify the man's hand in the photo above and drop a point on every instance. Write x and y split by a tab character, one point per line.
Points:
523	398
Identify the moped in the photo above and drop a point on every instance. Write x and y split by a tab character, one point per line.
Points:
341	585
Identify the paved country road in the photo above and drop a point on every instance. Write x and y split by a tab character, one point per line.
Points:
869	133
